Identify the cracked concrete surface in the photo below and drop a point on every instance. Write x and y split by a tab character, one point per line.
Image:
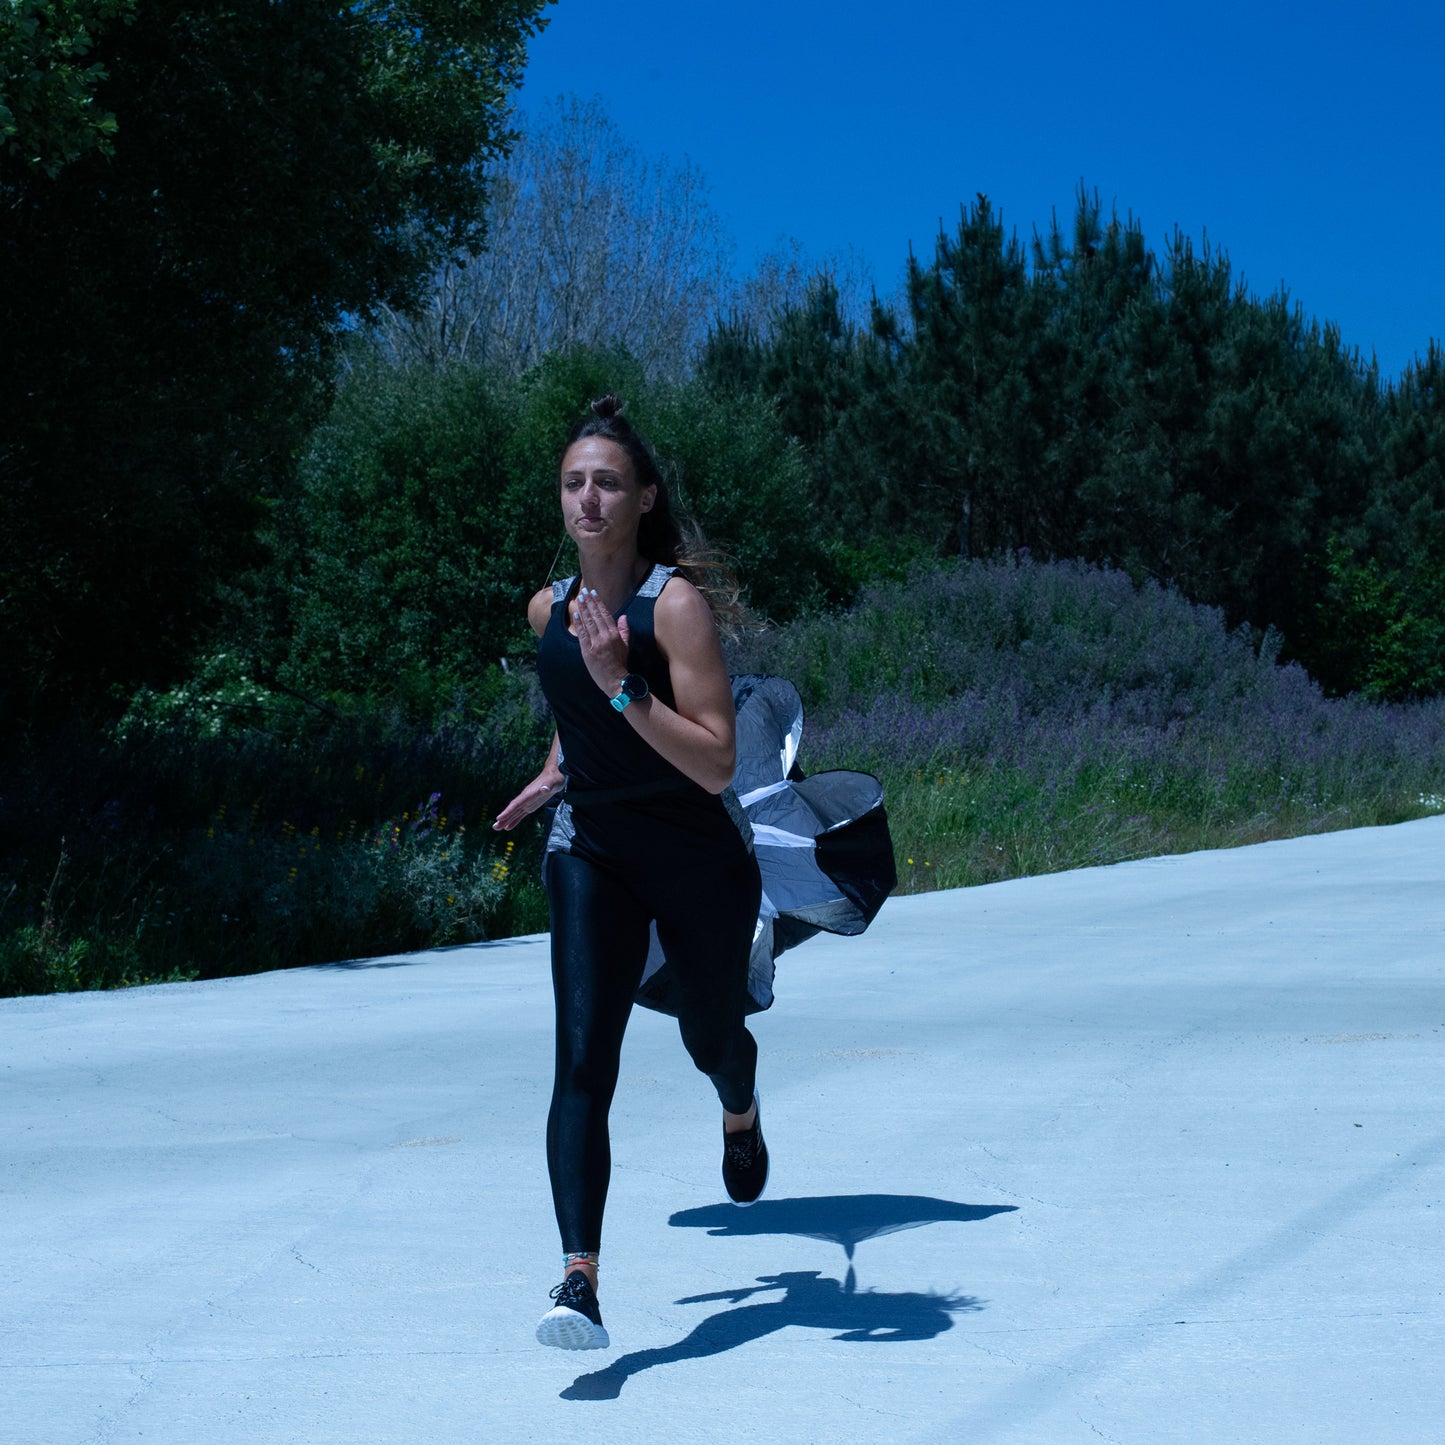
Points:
1149	1153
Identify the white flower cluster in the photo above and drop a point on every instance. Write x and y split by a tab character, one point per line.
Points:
218	697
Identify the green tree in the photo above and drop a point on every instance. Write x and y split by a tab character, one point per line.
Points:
170	309
806	365
1091	297
1380	618
1137	506
1381	631
965	378
1407	517
48	114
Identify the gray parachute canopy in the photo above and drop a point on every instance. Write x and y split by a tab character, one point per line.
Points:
822	842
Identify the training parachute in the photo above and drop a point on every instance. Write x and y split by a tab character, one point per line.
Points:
821	842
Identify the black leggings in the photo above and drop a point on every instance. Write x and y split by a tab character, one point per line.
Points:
600	917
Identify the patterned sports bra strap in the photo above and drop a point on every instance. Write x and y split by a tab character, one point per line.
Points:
651	585
655	580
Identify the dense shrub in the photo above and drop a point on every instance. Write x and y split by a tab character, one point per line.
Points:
1030	717
428	515
179	850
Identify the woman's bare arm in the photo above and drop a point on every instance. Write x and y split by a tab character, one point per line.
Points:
550	779
697	736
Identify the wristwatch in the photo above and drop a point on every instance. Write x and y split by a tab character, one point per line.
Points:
633	688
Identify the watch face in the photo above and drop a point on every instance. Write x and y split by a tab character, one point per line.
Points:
634	685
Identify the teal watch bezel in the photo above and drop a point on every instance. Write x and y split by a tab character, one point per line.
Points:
633	688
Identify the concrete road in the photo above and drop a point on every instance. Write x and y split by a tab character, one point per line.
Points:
1144	1154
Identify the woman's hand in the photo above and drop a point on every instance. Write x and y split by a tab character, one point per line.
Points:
695	734
544	786
604	642
532	797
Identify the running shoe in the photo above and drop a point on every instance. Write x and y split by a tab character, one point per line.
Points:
745	1162
574	1322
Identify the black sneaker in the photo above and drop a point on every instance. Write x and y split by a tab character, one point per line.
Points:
745	1162
574	1322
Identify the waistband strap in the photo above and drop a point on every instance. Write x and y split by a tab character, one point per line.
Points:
657	788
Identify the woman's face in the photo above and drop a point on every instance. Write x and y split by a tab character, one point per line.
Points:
600	495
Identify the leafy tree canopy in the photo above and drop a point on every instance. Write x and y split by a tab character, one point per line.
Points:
173	292
48	115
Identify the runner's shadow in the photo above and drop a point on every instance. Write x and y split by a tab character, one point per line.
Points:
808	1299
845	1219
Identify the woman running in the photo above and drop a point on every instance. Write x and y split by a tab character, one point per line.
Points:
646	833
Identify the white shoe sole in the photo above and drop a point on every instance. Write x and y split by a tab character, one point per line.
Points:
748	1203
568	1329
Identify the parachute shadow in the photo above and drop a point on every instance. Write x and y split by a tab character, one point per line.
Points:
842	1219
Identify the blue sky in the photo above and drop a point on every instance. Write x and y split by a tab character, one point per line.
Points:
1305	139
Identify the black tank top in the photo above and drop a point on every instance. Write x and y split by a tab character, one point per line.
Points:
600	750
